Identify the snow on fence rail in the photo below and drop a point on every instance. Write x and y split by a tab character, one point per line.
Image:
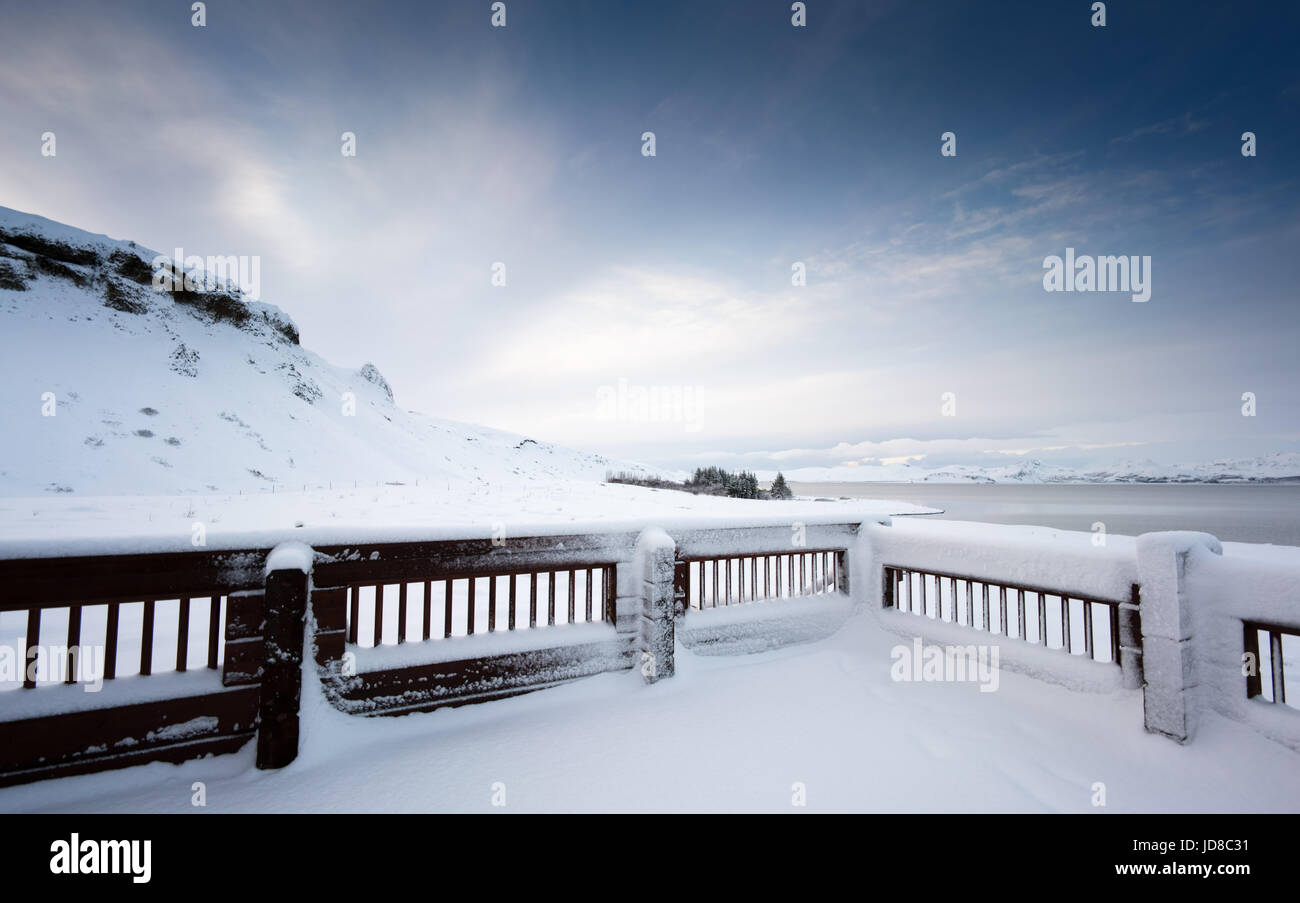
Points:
398	627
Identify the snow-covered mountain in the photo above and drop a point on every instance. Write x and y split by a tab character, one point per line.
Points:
1275	467
114	387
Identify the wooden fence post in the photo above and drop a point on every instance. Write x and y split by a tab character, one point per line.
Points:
656	559
287	586
1169	672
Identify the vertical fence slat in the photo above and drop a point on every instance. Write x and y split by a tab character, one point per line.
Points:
1254	680
984	605
1042	618
183	634
428	608
550	599
214	629
514	579
1067	642
354	613
469	608
492	604
588	594
74	642
1020	614
146	639
1275	660
401	613
31	640
110	641
1114	632
532	600
572	590
379	614
1089	644
447	608
1002	611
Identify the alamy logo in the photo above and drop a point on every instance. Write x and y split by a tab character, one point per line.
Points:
1098	274
946	664
103	857
195	273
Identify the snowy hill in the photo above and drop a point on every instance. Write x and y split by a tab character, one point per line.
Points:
114	387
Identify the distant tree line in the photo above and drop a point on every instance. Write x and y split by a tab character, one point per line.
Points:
712	481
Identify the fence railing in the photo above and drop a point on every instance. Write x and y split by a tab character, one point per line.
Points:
723	580
417	611
1269	654
441	601
158	625
1054	618
413	626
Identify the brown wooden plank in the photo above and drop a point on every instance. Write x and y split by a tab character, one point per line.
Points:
123	735
146	639
354	613
214	630
550	599
446	614
31	642
110	643
572	597
74	643
428	607
532	600
183	634
100	579
401	613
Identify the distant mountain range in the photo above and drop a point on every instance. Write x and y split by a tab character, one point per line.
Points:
1278	467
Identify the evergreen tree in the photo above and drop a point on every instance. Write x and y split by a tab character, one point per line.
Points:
779	490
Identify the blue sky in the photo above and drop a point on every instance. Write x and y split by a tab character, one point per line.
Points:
672	273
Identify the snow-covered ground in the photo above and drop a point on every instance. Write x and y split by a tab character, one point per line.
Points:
731	734
448	509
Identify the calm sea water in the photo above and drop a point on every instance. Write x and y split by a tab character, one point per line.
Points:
1236	513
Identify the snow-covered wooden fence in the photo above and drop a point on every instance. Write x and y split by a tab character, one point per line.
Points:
1196	626
212	652
109	653
510	617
